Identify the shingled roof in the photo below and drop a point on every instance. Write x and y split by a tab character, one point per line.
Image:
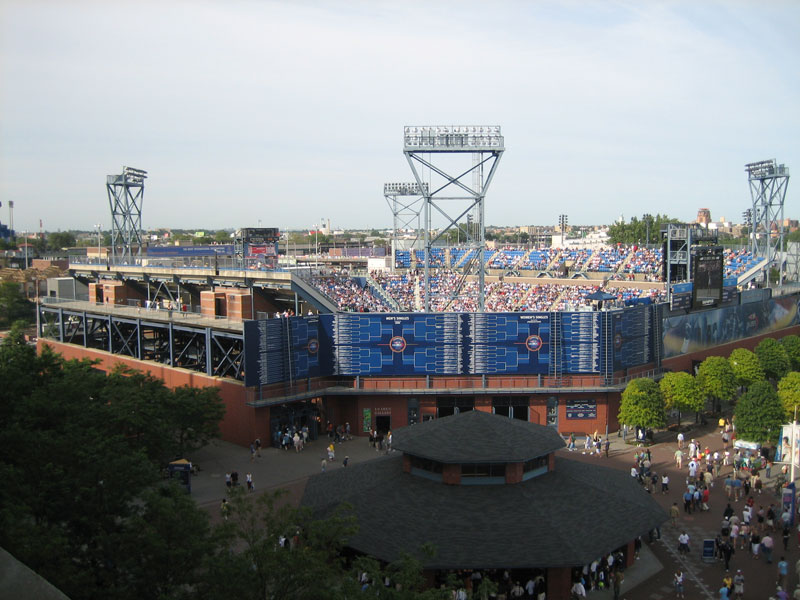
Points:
566	517
477	437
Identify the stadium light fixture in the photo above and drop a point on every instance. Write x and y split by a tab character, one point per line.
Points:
453	138
404	189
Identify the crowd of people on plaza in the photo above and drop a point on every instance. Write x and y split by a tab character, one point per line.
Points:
757	530
606	572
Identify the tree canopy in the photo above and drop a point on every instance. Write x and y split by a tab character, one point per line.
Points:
759	414
791	343
635	232
642	405
81	501
681	392
789	393
773	358
746	367
14	306
716	378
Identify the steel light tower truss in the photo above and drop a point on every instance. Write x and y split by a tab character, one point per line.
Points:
405	201
768	184
125	197
485	144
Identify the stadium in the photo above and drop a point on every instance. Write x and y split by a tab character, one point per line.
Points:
545	334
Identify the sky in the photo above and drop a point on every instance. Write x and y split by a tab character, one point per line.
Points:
288	113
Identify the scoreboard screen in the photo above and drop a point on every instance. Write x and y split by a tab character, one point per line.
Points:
707	274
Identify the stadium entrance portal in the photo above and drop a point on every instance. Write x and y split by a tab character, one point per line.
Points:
383	423
295	417
516	408
452	406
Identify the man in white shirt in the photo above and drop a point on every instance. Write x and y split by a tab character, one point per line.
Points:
683	542
577	590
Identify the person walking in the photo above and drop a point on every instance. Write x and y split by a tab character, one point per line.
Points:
683	543
677	579
738	585
727	551
767	543
617	580
783	572
674	511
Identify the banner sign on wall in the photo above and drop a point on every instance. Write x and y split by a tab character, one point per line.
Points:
366	419
709	328
581	409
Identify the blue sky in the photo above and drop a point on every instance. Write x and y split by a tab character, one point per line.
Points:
289	112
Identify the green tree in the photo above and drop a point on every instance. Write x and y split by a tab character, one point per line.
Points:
258	567
14	306
681	392
759	414
643	405
773	358
80	502
791	344
717	380
191	418
60	240
636	230
165	423
222	236
789	393
163	546
746	367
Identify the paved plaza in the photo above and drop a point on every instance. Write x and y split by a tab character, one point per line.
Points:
650	578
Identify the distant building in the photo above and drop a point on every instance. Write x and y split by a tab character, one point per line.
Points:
703	216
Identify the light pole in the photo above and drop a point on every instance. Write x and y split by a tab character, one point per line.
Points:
647	218
316	246
563	220
25	241
793	445
98	226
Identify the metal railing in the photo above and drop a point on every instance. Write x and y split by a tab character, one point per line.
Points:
190	316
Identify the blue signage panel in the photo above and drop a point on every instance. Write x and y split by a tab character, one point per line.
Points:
397	344
507	343
632	336
281	349
204	250
580	342
581	409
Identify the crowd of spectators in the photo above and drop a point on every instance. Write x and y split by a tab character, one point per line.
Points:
737	261
451	293
348	295
622	262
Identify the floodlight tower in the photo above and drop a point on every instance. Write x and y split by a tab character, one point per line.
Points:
768	184
125	197
406	212
485	145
